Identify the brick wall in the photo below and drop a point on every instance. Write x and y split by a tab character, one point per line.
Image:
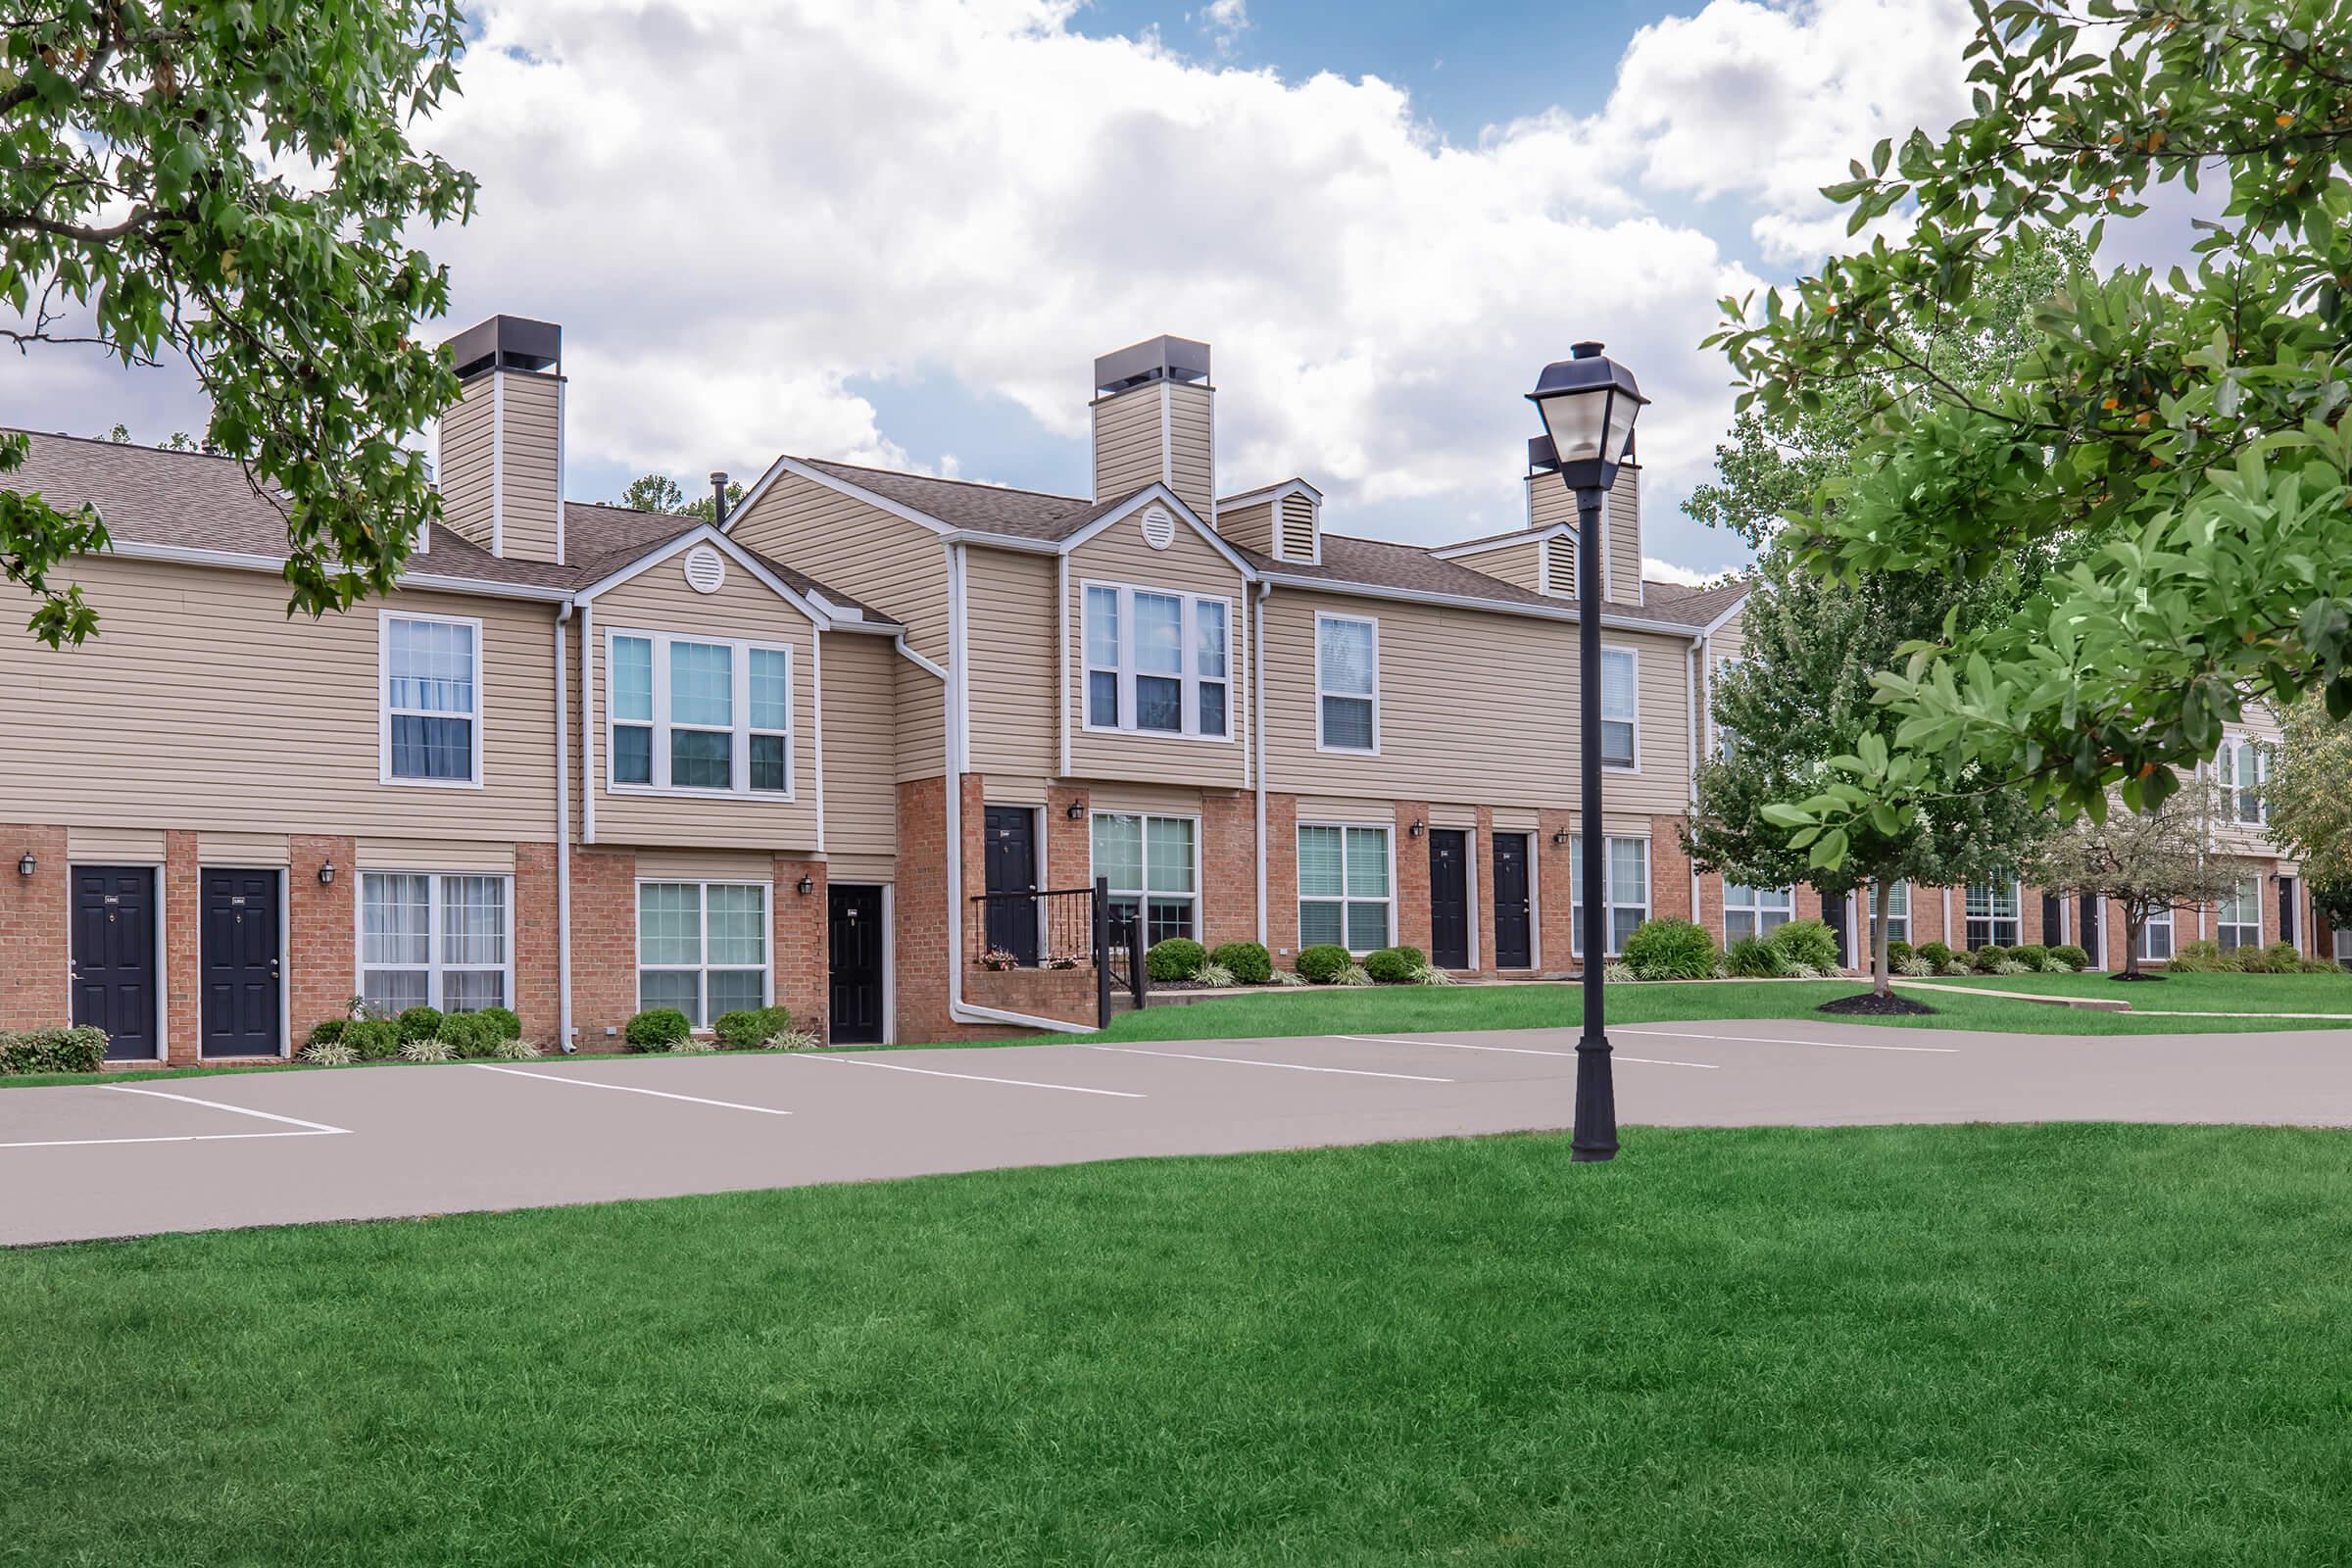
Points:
35	929
1282	878
322	932
1669	871
1411	891
1066	994
922	941
183	955
1483	898
604	945
801	935
537	957
1228	868
1555	890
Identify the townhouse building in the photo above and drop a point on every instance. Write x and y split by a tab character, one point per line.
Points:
586	759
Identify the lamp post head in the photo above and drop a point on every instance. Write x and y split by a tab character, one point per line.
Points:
1588	403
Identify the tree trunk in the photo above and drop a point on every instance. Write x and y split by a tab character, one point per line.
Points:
2133	923
1882	983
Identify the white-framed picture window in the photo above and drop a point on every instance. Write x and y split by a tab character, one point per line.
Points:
1993	918
2238	919
1620	708
1345	883
2156	938
436	939
1626	879
2241	770
703	947
1347	684
697	715
1898	912
1153	863
1756	911
430	700
1157	663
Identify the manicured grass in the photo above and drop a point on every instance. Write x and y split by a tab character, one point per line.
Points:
2198	993
2030	1344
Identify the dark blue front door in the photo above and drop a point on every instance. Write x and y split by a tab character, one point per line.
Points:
240	963
114	956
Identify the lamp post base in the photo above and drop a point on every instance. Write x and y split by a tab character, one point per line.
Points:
1596	1135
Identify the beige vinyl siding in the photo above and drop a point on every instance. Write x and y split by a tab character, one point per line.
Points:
527	463
658	600
1250	526
1299	536
1191	564
861	795
1128	453
1519	562
243	849
1191	446
922	732
1549	501
1623	520
1009	639
200	704
1472	703
463	471
433	854
854	548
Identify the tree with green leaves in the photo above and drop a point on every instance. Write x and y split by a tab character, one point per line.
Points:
654	492
2147	861
227	183
2175	442
1799	712
2308	795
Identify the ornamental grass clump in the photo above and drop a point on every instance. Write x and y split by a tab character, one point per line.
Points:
1670	950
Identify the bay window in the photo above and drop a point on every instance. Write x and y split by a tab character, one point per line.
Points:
697	714
1347	684
434	940
702	948
1625	889
429	712
1152	868
1756	911
1157	663
1344	895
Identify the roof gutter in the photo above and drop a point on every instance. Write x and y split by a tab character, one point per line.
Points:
248	561
1465	602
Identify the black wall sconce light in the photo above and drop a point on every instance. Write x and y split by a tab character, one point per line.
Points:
326	874
805	886
28	865
1560	837
1415	829
1077	810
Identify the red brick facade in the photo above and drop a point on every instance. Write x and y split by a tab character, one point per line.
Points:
35	929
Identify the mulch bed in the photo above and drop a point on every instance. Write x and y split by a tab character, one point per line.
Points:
1870	1005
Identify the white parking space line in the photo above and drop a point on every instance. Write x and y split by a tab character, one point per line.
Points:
978	1078
627	1089
215	1104
1525	1051
1766	1040
174	1138
1293	1066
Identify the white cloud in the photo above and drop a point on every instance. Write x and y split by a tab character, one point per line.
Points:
1657	571
1225	20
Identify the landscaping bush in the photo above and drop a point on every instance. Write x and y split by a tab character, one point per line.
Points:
750	1028
1914	967
657	1029
373	1039
433	1049
510	1027
1176	958
2074	957
2319	967
2280	958
1670	950
418	1023
1957	963
470	1034
326	1033
1809	942
2029	957
1215	976
2200	958
1936	953
1413	956
1391	968
329	1053
1249	962
1898	953
1354	975
1282	978
1320	965
1754	958
1428	975
1988	960
81	1049
517	1049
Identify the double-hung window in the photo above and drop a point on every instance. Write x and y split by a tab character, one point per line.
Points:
2237	922
2156	938
702	948
430	712
1152	868
2244	767
1625	879
1347	684
1620	728
1993	920
1756	911
1898	911
1343	887
698	713
1157	663
434	940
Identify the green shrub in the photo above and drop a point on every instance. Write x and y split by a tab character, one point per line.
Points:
2319	967
1216	976
1251	965
329	1053
418	1023
470	1034
373	1039
655	1029
1754	958
1670	950
326	1033
1320	965
1391	968
2200	958
1354	974
750	1028
1617	972
2028	956
2072	957
1936	953
515	1050
1809	942
1898	953
2280	957
1413	956
510	1027
433	1049
1176	958
77	1050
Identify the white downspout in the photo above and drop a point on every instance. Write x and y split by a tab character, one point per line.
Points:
563	1040
587	729
1062	652
1699	663
1257	737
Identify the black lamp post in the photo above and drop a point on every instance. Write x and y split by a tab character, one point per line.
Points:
1588	403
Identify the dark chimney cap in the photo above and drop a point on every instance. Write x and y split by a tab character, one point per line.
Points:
507	343
1159	359
1540	458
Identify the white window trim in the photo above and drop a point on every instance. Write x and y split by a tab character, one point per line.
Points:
2017	902
1321	617
2160	920
1188	679
2232	786
1870	913
701	970
740	670
384	699
2255	904
1635	655
1608	890
1344	898
1144	897
435	995
1756	910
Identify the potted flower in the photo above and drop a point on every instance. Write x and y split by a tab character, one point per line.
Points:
998	959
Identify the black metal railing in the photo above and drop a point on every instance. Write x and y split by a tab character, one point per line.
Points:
1061	928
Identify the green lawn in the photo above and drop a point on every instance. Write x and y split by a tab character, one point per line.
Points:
1934	1346
2197	993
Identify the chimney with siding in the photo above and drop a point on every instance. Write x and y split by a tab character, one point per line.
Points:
1155	418
1548	502
500	467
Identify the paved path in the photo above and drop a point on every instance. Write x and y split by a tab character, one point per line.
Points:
266	1149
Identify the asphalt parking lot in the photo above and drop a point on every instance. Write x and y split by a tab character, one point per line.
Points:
89	1161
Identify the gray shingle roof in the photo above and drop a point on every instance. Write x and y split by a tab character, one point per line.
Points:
982	508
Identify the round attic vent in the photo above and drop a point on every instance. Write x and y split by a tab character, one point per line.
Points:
706	569
1159	528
